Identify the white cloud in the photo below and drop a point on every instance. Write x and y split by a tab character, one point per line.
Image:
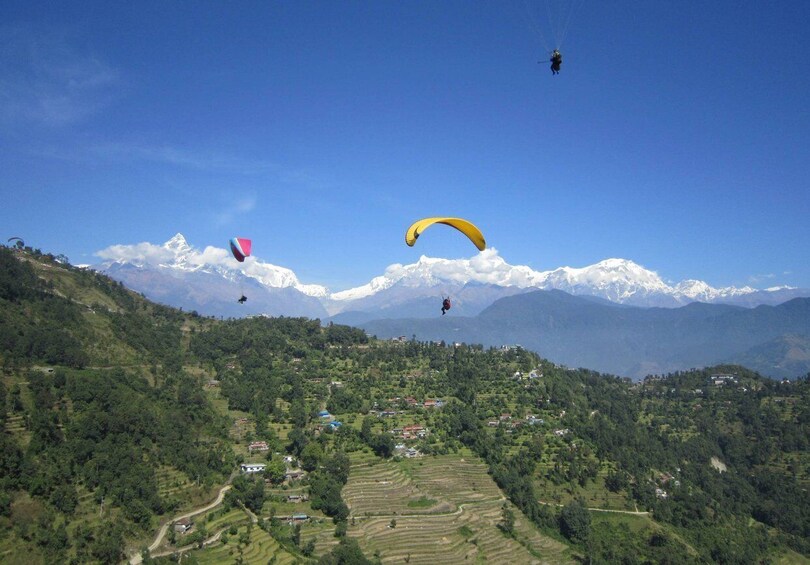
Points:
235	209
199	159
755	279
177	253
140	253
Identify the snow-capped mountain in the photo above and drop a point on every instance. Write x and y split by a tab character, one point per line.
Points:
616	280
210	281
178	255
178	274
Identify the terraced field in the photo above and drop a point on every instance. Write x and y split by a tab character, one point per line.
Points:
461	527
173	483
260	551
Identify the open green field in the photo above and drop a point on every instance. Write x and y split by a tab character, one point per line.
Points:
459	527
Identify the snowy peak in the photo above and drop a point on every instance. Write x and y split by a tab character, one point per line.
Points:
177	255
178	245
617	280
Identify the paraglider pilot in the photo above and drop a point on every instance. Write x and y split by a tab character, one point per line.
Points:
556	61
242	300
445	305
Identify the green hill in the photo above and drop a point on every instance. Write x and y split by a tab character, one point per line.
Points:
120	415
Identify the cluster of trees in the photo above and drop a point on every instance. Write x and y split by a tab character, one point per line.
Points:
36	325
107	431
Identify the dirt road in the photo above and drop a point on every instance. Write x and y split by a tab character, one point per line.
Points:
137	559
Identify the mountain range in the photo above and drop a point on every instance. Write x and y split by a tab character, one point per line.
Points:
628	340
205	280
614	316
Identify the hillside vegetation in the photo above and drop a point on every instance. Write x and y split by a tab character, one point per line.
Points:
120	416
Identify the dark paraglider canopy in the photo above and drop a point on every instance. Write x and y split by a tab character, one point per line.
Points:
242	300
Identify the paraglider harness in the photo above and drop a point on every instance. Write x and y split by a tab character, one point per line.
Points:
445	305
556	61
242	300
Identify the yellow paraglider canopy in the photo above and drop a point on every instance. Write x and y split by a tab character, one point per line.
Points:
464	226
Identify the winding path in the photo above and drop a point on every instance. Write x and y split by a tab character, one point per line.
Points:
634	513
137	559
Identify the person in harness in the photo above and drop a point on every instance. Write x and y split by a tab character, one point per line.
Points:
445	305
556	61
242	300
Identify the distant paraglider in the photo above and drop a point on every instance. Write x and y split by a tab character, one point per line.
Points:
445	305
464	226
240	247
556	62
550	24
18	242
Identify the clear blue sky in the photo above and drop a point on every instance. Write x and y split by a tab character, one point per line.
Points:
677	134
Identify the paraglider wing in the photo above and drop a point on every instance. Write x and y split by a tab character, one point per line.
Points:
467	228
18	242
240	247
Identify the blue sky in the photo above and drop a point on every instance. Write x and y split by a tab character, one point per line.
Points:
677	134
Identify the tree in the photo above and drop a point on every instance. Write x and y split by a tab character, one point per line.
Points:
575	521
275	471
338	466
311	456
347	552
507	523
108	546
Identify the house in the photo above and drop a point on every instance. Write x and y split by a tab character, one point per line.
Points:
258	446
183	525
535	375
660	493
294	475
386	413
413	430
720	379
250	468
562	432
297	498
665	477
335	425
299	518
505	417
411	452
324	414
493	423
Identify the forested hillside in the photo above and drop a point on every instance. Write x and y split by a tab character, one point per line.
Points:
120	416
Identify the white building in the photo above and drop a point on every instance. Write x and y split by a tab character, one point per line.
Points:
249	468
